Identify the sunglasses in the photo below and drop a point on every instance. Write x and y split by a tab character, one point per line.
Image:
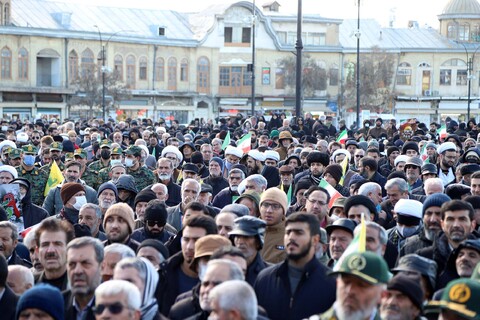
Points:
114	308
152	223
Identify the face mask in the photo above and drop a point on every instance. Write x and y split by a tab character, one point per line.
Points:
29	160
406	231
367	125
82	132
129	163
378	207
105	154
79	202
228	165
115	161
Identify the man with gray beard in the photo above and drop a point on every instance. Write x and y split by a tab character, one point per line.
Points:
107	196
164	172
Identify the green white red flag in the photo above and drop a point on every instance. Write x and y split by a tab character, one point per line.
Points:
245	143
342	138
442	132
226	141
334	194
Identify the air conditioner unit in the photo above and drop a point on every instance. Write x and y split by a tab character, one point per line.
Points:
427	93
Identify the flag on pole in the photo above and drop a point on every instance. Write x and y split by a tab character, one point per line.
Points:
226	141
334	194
342	138
442	132
358	243
54	178
424	154
245	144
344	166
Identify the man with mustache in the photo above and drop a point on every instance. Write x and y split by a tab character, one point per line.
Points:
403	298
84	258
457	224
431	225
164	172
155	220
283	289
52	237
107	196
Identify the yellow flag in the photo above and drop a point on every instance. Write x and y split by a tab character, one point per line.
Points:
55	177
344	166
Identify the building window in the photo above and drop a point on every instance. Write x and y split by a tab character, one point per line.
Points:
445	77
184	70
237	36
159	69
464	32
404	74
172	74
6	63
246	35
73	66
279	78
131	71
475	34
6	14
462	77
235	81
88	63
452	31
22	64
228	34
333	76
203	75
142	74
118	67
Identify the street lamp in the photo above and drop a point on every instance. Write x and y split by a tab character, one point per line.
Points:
470	60
298	75
357	84
104	68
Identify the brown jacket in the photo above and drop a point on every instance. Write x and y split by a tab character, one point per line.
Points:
274	248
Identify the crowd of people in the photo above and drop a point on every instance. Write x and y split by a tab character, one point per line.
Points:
239	218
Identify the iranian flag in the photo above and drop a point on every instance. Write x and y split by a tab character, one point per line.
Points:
245	143
358	244
226	142
334	194
442	132
423	153
342	138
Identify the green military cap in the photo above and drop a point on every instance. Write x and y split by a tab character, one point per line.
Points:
80	152
15	153
461	297
117	151
135	150
56	146
367	266
29	149
105	143
6	149
69	156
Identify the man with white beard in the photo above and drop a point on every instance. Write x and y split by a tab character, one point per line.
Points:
107	196
164	172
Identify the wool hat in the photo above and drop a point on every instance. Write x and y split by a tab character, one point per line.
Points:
156	211
302	185
173	149
196	157
157	245
429	168
123	211
434	200
409	212
414	161
409	286
447	146
392	149
219	161
69	189
9	169
410	145
272	155
318	157
43	297
335	170
276	195
359	200
274	134
145	196
107	185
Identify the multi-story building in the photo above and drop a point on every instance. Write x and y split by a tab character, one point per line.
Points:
186	66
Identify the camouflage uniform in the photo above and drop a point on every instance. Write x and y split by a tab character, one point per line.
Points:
36	177
143	176
98	164
91	178
103	175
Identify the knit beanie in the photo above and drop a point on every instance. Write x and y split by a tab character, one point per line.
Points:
410	145
302	185
107	185
434	200
69	189
157	245
392	149
145	196
123	211
409	286
156	211
276	195
335	170
43	297
219	161
359	200
196	157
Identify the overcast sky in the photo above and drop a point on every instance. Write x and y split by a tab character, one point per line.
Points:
423	11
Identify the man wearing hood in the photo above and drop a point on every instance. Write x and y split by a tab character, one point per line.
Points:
36	177
31	214
127	190
216	179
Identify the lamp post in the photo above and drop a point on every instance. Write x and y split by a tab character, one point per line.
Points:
253	57
470	60
298	75
357	83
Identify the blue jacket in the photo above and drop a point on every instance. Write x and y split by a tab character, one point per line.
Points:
315	293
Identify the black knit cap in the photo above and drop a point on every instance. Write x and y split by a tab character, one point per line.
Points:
359	200
410	145
392	149
156	211
410	286
145	196
157	245
335	170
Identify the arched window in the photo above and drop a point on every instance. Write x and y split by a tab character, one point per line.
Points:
453	69
464	32
404	74
88	63
72	66
203	75
131	71
172	74
118	68
184	70
142	71
22	64
6	62
159	69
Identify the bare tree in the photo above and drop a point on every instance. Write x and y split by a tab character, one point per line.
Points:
377	71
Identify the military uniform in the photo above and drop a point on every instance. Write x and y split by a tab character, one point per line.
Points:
36	177
98	164
103	175
143	176
89	176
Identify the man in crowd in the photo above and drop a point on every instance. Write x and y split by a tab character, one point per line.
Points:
91	215
118	225
190	190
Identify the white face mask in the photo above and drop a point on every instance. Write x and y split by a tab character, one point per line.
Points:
129	163
79	202
115	161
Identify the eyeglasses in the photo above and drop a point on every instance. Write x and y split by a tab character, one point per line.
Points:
409	166
274	206
35	138
210	283
152	223
319	202
358	156
114	308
